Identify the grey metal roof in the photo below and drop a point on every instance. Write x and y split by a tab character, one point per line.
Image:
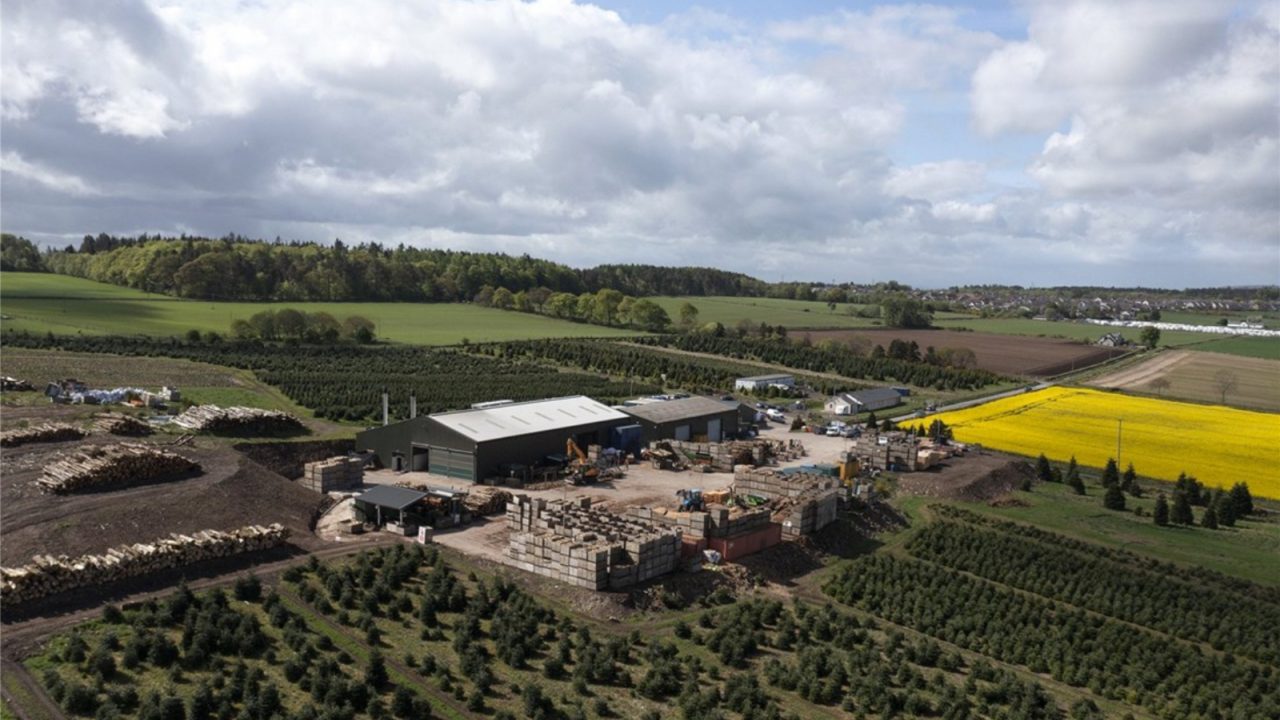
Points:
388	496
524	418
762	378
683	409
874	395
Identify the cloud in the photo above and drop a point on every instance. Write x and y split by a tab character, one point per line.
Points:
562	130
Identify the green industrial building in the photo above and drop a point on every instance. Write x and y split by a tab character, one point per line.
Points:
687	419
485	441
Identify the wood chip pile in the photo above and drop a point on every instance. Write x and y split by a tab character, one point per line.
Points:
336	473
118	424
8	383
486	500
46	575
589	547
214	419
113	466
47	432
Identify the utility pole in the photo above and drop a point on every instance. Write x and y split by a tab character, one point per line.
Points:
1119	435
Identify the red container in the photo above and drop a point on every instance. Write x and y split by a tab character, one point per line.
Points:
692	547
744	545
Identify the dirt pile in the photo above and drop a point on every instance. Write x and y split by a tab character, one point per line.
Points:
975	478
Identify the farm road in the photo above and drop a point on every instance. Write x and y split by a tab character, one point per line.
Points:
1137	375
981	400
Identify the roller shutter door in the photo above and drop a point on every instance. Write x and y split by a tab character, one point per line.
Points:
682	432
713	430
452	463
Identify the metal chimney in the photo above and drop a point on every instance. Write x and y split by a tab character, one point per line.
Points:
413	405
386	411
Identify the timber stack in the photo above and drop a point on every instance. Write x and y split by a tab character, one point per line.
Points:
725	456
575	543
119	424
46	432
114	466
336	473
486	500
47	575
215	419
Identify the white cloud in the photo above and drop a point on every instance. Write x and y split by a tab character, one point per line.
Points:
562	130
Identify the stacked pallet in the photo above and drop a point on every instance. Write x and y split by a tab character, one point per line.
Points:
113	466
808	513
588	547
336	473
46	575
486	500
724	456
776	485
47	432
118	424
214	419
688	524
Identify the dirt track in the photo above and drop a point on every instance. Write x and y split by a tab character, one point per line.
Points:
1144	372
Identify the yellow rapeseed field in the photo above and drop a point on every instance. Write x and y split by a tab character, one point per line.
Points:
1218	445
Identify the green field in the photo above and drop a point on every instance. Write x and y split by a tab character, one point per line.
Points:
1265	348
728	311
64	305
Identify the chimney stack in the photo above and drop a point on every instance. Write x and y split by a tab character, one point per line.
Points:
413	405
386	414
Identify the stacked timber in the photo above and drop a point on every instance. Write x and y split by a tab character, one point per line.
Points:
777	485
118	424
724	456
99	468
46	432
688	524
214	419
336	473
589	547
46	575
8	383
486	500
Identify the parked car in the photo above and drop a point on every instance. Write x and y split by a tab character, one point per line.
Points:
852	431
833	431
776	415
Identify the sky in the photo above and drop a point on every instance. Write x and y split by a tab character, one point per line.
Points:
1117	142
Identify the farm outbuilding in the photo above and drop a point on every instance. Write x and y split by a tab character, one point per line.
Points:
863	401
475	444
764	382
385	503
687	418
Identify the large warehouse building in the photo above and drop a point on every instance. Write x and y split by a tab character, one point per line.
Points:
476	444
686	419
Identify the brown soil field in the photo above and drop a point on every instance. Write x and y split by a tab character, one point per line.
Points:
104	371
1193	375
233	491
1004	354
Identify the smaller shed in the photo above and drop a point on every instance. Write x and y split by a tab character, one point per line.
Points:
687	418
863	401
385	503
764	382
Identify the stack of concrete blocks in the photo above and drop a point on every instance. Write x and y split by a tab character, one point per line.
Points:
810	512
688	524
575	543
336	473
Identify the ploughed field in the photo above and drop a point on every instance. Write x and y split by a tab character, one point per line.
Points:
1162	438
1204	377
1003	354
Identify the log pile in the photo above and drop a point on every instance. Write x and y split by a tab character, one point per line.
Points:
589	547
114	466
336	473
118	424
7	383
214	419
47	575
486	500
46	432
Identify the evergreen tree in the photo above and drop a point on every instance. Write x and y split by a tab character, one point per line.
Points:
1072	467
1161	512
1224	508
1111	473
1241	500
1114	497
1073	478
1044	472
871	420
1210	518
375	672
1181	511
1129	482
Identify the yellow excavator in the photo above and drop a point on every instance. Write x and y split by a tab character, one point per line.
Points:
581	470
